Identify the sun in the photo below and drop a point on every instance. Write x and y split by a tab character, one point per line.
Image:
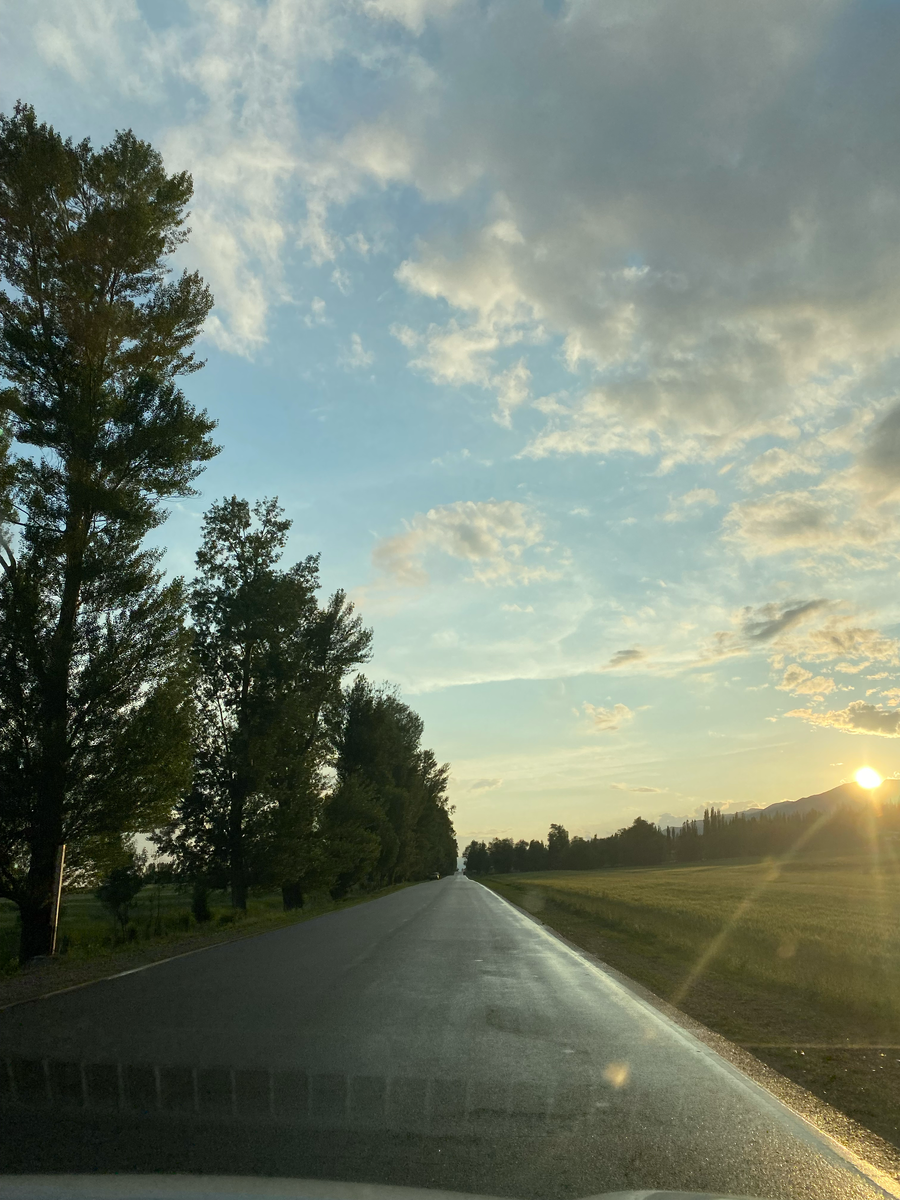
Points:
867	778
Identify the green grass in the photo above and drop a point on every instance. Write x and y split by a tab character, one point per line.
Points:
825	930
87	929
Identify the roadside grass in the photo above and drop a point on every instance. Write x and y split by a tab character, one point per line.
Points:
798	961
161	915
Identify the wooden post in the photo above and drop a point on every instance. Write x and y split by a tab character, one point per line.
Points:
57	895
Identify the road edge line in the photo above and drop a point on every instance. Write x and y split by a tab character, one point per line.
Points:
74	987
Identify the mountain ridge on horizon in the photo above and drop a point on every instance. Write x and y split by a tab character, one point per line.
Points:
847	792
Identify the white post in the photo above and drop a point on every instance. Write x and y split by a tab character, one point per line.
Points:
57	895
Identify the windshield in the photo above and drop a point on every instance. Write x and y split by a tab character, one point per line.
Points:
449	652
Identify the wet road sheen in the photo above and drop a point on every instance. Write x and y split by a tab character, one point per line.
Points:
436	1037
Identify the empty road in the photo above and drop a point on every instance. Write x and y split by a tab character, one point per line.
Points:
436	1037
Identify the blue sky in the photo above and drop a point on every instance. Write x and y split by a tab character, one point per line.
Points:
568	333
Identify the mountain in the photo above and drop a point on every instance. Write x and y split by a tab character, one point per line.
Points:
836	797
844	794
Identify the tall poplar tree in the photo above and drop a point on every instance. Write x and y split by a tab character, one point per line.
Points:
94	333
270	663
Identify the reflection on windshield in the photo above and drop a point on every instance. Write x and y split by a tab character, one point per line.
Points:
301	1100
512	1136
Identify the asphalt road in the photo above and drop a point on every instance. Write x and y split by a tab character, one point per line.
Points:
436	1037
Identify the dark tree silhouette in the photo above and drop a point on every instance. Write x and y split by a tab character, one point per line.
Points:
94	719
270	663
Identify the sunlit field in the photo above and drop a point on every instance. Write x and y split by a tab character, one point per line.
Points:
826	930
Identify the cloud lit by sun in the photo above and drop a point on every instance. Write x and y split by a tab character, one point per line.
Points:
866	777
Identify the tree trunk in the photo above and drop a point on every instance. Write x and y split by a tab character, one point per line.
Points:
236	855
35	936
200	903
36	933
36	906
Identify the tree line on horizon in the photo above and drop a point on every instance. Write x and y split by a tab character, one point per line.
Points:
719	836
224	716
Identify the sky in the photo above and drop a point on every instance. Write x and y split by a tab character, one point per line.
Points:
568	333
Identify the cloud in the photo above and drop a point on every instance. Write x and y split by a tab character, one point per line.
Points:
857	717
412	13
483	785
491	535
316	314
512	390
341	280
879	462
218	85
704	262
450	354
608	719
626	787
624	658
800	682
462	355
808	630
708	270
356	355
105	43
777	463
684	506
821	519
768	621
838	638
248	154
785	521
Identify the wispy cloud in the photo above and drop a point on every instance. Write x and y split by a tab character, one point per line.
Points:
493	536
800	682
691	503
483	785
356	355
626	658
608	719
627	787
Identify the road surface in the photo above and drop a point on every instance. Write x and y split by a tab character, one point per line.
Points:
436	1037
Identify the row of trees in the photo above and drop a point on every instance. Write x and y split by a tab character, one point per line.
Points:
216	713
643	844
298	781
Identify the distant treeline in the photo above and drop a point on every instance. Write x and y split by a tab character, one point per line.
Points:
643	844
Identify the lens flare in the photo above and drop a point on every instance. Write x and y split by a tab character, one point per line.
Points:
867	778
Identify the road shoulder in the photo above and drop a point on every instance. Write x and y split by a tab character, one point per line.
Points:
849	1134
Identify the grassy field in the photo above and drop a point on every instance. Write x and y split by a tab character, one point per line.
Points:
799	962
160	914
